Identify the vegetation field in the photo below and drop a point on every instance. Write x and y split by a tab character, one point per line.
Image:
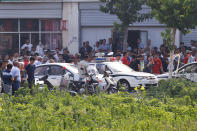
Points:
171	106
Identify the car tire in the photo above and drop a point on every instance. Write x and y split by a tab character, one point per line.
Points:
124	83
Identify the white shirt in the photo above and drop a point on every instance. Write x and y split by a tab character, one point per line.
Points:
16	73
56	57
39	50
38	63
10	61
27	45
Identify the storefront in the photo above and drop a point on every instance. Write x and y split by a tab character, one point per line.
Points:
33	21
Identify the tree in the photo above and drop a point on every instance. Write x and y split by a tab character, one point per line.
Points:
128	12
176	14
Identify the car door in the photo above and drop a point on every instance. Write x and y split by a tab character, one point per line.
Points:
39	72
56	73
189	72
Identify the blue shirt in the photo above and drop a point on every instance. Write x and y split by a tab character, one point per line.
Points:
30	71
7	77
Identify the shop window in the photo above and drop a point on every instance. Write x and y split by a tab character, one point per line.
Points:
8	25
29	25
9	43
52	40
50	25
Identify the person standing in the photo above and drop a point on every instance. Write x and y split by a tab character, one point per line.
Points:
125	58
109	45
140	44
30	68
135	63
104	46
16	77
118	58
157	68
40	48
149	63
7	79
28	45
56	56
46	57
89	48
66	56
3	67
83	50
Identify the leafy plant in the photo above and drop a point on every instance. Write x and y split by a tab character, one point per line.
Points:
171	106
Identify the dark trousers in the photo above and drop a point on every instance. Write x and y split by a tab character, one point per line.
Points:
30	83
15	86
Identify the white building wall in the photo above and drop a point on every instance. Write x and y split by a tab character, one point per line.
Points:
93	34
70	37
190	36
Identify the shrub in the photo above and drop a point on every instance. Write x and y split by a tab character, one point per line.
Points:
171	106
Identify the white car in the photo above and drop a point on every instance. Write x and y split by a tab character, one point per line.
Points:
55	72
188	71
127	77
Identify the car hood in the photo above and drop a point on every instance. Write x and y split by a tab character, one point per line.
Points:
163	75
133	73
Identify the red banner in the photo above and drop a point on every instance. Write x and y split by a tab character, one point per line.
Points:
64	22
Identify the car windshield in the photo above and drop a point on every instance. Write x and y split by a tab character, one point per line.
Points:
118	67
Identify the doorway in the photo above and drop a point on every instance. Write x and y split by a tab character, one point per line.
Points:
133	35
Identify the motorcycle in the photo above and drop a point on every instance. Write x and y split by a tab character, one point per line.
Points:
110	85
87	85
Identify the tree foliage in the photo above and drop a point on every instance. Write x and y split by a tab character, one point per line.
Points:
128	11
176	14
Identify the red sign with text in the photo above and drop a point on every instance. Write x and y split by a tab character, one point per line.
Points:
64	22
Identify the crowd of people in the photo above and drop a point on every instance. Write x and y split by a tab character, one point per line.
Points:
16	69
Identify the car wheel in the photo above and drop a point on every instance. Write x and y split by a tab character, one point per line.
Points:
125	84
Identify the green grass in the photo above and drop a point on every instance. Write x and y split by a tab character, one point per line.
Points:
171	106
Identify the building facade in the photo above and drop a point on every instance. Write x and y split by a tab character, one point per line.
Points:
67	23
